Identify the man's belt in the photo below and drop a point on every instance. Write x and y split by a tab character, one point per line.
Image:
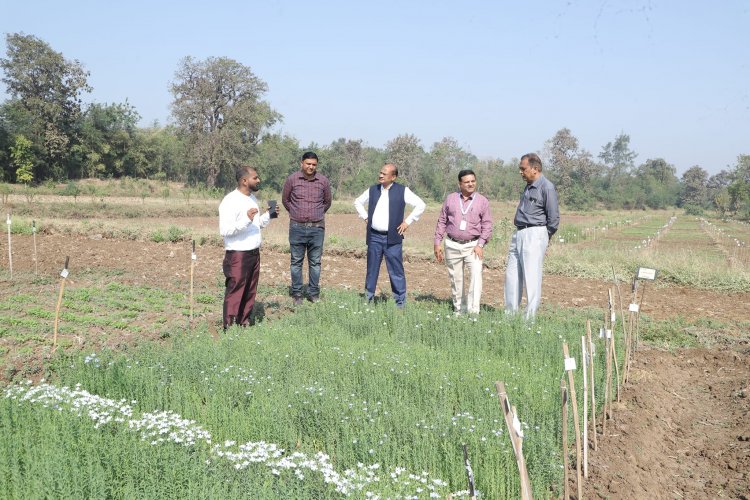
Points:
382	233
526	226
318	223
462	242
254	250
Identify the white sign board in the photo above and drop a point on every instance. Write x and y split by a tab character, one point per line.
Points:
633	308
645	273
570	364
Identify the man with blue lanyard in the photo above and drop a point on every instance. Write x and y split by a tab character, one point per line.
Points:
537	218
386	225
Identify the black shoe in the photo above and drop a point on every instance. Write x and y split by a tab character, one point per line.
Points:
314	299
297	301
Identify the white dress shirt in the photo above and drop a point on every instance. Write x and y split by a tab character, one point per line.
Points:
380	216
239	232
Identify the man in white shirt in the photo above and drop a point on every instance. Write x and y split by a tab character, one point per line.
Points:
386	226
239	224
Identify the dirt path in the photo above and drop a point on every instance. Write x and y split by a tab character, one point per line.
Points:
152	263
682	429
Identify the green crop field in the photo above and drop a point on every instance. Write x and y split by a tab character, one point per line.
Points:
342	397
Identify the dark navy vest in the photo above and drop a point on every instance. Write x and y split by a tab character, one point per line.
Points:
396	206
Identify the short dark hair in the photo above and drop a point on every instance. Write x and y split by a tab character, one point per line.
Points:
465	172
243	171
309	156
533	160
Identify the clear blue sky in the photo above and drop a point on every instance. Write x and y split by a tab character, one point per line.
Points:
501	77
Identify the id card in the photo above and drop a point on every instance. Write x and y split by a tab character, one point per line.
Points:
462	226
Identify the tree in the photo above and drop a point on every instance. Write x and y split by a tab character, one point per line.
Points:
572	169
618	157
739	189
109	142
276	156
344	160
23	159
219	111
448	159
694	187
657	180
407	154
49	87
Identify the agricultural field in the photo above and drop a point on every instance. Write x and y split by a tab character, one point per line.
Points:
142	395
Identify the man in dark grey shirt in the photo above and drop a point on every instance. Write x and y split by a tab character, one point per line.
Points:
537	218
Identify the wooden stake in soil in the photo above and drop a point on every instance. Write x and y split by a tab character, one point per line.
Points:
638	319
516	438
607	385
585	362
63	274
591	374
10	252
612	341
469	474
193	258
564	397
570	366
33	233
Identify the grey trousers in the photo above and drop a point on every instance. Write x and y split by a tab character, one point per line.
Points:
525	260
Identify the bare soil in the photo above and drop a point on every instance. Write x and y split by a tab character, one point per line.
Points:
682	429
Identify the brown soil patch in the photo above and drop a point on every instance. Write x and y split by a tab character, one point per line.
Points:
681	431
168	263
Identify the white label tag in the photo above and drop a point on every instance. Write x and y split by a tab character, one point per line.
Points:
517	426
609	333
64	273
570	364
613	317
462	225
601	333
194	257
645	273
634	308
8	221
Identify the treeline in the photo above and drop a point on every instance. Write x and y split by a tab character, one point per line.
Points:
220	119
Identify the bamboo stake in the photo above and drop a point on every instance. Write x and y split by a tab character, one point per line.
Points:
592	353
638	317
469	474
570	366
33	233
613	346
516	438
585	362
607	385
631	330
564	397
193	258
10	252
63	274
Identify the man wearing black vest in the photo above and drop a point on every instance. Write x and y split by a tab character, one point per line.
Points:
386	225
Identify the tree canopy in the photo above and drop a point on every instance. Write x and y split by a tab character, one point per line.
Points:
221	119
218	109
